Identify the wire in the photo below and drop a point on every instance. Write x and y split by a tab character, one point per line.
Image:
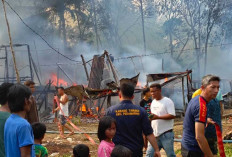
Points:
40	35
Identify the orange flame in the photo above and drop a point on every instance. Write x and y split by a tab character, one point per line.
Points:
139	84
59	82
166	79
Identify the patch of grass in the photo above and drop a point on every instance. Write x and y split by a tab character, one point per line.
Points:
178	151
228	149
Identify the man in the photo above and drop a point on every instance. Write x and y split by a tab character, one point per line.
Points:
213	116
162	117
4	114
32	115
18	133
63	112
194	143
132	123
146	104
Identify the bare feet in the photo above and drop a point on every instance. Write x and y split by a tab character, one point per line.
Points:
62	136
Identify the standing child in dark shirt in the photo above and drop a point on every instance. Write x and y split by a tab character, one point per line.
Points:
146	104
39	130
106	132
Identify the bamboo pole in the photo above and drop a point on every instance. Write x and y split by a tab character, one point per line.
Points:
11	45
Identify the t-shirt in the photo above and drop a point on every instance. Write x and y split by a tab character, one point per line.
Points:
3	118
160	108
17	133
32	115
132	122
40	151
105	148
146	104
214	112
196	112
64	107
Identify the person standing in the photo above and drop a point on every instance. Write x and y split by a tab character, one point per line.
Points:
146	104
18	133
162	119
32	116
132	122
4	113
213	116
194	142
63	113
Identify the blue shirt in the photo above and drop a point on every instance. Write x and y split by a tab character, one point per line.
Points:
17	133
214	112
132	122
196	112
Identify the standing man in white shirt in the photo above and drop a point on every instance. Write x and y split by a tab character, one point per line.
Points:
162	121
64	113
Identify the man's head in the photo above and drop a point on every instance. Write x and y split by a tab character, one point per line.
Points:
146	92
19	98
126	91
4	89
155	90
81	150
210	86
61	91
39	130
30	84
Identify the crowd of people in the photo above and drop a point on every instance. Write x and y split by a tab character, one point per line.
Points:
127	130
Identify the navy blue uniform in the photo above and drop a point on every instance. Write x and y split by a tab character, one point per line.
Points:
196	112
132	122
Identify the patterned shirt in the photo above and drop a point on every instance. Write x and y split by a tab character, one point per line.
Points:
40	151
146	104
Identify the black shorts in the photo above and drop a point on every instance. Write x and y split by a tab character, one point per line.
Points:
63	120
213	145
187	153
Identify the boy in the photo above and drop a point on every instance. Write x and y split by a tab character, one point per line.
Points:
4	114
39	130
18	134
81	150
63	112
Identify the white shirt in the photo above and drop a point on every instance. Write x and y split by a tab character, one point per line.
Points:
160	108
64	107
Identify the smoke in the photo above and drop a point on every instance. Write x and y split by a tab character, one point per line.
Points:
127	41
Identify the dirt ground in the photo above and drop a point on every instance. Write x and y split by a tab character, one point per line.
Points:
58	147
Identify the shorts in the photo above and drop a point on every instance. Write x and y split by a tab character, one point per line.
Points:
187	153
63	120
213	145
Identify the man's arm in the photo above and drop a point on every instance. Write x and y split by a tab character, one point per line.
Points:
222	108
151	138
164	117
201	140
26	151
65	100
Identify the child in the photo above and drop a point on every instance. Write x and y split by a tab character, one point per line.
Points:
64	113
39	130
121	151
81	150
106	131
18	134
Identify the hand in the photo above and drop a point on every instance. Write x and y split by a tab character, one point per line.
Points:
154	117
210	121
157	154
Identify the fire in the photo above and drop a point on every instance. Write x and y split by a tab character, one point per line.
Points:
59	82
166	79
139	84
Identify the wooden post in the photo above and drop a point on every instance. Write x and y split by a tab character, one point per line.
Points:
183	94
11	45
111	66
86	70
108	101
